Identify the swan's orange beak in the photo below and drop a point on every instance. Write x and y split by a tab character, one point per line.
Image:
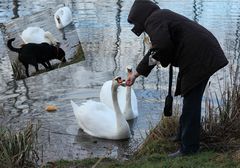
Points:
121	81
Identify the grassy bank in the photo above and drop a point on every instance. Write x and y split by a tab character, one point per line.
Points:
17	149
154	154
158	159
204	159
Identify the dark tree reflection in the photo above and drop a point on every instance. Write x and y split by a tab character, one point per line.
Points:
15	9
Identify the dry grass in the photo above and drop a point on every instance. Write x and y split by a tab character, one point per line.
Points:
17	149
222	122
222	119
158	140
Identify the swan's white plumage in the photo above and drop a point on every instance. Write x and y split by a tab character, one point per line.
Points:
97	119
128	112
63	17
38	35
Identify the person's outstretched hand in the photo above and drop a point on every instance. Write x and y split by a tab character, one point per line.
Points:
131	78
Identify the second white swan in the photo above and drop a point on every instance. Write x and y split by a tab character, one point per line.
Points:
126	98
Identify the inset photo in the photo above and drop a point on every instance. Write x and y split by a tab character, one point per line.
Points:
42	42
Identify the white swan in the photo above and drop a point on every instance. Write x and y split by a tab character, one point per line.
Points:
63	17
98	120
38	35
126	98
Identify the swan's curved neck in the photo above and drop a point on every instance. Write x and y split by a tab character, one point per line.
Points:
128	106
116	106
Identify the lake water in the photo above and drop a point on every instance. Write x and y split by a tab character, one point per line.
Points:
109	46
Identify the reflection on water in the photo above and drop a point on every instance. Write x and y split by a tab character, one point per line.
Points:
15	9
118	32
109	45
197	9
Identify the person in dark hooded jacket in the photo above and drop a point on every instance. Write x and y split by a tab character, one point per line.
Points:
183	43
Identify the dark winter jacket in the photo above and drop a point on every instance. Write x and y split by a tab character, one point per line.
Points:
180	42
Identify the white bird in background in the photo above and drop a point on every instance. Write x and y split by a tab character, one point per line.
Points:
98	120
126	98
38	35
63	17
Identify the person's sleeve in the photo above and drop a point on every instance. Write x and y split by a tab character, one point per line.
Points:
143	68
162	56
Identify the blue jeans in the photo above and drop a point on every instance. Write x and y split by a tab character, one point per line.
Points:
191	118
